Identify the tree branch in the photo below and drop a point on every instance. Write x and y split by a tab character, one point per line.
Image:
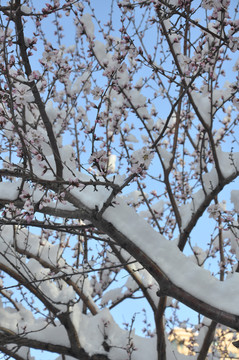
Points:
33	87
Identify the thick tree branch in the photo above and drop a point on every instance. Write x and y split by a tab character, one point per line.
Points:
36	94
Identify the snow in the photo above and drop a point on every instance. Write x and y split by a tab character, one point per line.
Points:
111	295
139	102
235	199
44	254
210	180
81	83
102	328
166	156
131	138
100	53
157	207
86	21
167	256
203	104
9	190
132	197
26	10
228	161
41	263
18	321
187	210
111	163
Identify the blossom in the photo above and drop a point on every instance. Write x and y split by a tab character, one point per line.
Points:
215	210
103	161
141	159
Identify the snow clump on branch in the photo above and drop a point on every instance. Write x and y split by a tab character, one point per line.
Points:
141	160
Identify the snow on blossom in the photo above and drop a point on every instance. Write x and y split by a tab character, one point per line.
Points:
156	208
82	83
35	75
123	78
232	235
99	159
139	102
236	103
100	53
71	49
131	138
51	111
141	160
234	43
208	4
215	210
236	66
22	94
88	25
102	161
